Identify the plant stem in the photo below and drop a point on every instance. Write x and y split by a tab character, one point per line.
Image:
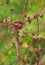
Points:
37	27
17	48
17	42
37	30
17	45
24	12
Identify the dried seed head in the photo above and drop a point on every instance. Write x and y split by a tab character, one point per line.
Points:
37	50
36	16
29	20
41	15
11	9
5	24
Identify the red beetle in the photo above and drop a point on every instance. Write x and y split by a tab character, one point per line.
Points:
18	24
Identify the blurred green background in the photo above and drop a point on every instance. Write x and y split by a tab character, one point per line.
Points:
8	51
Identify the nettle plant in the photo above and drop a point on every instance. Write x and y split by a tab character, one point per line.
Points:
29	45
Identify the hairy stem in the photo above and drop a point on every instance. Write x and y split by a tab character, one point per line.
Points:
17	45
37	31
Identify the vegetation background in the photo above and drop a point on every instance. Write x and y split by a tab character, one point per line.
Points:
8	53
